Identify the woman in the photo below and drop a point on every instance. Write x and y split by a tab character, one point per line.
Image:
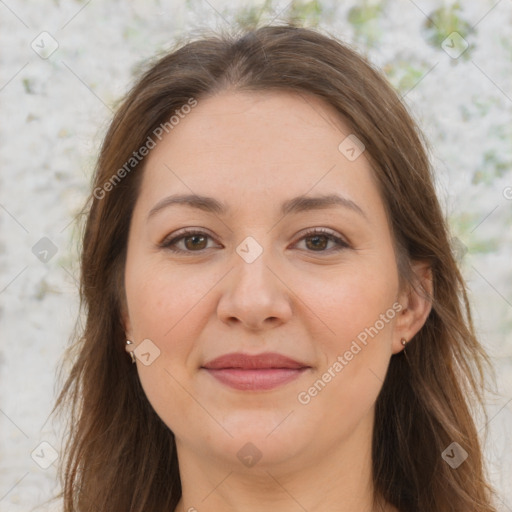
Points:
264	242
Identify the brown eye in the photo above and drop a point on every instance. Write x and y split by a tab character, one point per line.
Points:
187	241
317	242
195	242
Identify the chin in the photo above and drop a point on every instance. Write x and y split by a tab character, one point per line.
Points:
260	439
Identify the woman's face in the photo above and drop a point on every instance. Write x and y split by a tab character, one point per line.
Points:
290	253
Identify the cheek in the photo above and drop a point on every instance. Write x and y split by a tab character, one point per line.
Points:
166	307
161	301
344	389
351	300
170	307
356	308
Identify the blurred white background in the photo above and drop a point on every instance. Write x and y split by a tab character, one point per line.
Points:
65	64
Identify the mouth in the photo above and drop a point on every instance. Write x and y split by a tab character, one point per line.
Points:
255	372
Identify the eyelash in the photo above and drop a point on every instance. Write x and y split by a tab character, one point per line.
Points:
185	233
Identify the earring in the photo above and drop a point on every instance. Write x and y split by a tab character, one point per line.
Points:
132	355
404	341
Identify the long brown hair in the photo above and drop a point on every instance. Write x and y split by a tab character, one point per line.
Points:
120	456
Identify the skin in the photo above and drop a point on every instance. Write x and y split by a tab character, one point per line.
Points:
253	151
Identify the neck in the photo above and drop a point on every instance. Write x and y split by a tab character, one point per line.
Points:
339	480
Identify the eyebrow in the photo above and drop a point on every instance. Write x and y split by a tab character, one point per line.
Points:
295	205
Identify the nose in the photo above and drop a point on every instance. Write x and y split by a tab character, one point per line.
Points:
254	296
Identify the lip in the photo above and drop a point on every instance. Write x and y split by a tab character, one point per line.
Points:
255	372
265	361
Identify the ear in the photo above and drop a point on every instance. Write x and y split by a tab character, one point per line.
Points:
416	301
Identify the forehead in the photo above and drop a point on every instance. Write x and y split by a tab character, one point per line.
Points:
241	146
249	122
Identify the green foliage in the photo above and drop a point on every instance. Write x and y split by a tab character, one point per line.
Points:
249	17
28	85
307	13
467	241
43	288
405	75
445	20
365	20
493	165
